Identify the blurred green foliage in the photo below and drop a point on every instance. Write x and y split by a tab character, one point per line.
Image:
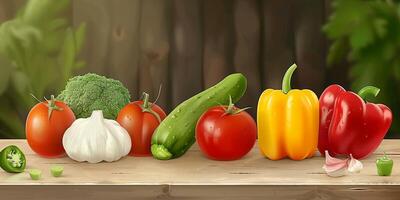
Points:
38	53
367	34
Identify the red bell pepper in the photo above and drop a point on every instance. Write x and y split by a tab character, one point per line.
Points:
348	125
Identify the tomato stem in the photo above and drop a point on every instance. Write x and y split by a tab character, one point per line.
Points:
147	106
51	104
232	110
145	100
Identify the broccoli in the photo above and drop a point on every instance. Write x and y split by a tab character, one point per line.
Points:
84	94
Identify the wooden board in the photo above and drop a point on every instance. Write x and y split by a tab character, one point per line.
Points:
192	175
310	44
123	57
107	192
247	49
96	15
218	41
186	50
277	42
154	46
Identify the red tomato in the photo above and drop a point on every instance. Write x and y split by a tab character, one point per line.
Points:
223	134
140	119
44	133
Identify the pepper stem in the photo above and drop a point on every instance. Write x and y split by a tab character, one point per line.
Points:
287	79
385	156
368	91
146	107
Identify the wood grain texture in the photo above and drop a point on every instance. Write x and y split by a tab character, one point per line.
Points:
154	49
123	57
218	41
9	8
195	177
96	15
194	169
277	38
5	10
200	192
186	50
310	44
247	49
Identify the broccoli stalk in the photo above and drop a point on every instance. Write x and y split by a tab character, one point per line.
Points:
84	94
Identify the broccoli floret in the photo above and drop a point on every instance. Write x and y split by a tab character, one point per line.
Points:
84	94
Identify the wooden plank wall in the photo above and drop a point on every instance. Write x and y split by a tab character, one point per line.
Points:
188	45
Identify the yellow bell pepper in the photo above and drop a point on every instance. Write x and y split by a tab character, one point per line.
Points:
288	121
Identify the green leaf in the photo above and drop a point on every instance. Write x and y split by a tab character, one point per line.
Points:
80	36
41	48
39	12
20	82
361	36
380	26
68	54
5	73
10	121
337	51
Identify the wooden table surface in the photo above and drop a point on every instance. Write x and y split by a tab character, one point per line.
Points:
194	176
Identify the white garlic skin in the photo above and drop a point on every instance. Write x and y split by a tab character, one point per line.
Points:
96	139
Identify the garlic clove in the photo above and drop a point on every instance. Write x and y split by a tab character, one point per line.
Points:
329	160
338	172
335	167
354	166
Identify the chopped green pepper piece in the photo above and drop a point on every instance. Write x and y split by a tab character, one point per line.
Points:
35	174
57	171
384	166
12	159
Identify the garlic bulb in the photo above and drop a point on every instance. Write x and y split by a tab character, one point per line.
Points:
96	139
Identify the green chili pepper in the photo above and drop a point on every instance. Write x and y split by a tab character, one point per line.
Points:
384	165
12	159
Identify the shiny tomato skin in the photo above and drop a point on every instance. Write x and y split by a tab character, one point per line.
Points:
140	126
225	136
45	135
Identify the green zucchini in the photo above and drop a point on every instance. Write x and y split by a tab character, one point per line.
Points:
176	133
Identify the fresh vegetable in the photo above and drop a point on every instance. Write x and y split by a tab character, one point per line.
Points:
35	174
226	132
90	92
12	159
45	126
335	167
176	133
348	125
140	119
287	121
96	139
56	171
384	165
